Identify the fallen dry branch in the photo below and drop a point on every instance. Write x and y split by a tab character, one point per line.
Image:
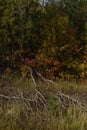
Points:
39	100
61	96
70	101
42	103
39	95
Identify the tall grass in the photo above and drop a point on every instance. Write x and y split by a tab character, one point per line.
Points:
16	115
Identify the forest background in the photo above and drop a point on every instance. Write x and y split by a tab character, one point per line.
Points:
48	36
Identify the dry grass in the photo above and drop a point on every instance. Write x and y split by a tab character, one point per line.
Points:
38	114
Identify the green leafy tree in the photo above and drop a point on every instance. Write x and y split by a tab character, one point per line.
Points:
53	34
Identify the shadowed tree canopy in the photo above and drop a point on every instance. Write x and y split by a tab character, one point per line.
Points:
53	33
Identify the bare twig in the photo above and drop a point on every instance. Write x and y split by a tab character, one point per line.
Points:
41	77
34	82
60	95
39	99
39	95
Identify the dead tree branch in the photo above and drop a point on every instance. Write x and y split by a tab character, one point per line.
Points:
39	99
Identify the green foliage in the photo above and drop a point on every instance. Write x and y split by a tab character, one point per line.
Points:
53	103
53	33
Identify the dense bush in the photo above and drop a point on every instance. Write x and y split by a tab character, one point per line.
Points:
52	35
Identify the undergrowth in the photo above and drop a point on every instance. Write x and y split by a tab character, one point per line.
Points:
19	114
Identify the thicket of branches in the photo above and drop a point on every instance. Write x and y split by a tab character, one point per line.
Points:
49	36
